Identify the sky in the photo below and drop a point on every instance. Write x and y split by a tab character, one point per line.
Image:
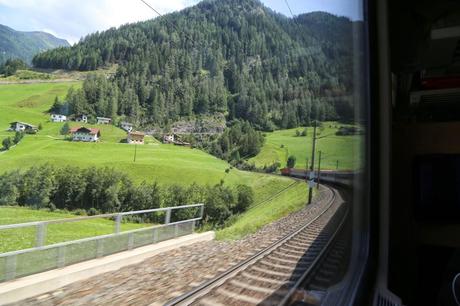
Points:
71	20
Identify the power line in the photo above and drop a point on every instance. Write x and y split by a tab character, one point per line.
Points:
171	24
152	8
287	4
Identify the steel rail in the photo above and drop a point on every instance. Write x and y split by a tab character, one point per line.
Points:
320	256
194	294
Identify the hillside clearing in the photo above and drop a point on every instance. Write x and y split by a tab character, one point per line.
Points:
280	144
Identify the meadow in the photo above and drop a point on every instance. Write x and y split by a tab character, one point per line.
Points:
345	151
16	239
163	163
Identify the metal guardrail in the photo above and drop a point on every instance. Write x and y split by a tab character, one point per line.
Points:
43	257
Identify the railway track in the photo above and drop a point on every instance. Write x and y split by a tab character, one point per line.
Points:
275	274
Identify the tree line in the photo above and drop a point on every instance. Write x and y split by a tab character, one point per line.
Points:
233	56
105	190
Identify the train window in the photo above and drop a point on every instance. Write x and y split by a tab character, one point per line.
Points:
211	152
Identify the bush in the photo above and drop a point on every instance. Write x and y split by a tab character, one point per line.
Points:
51	207
297	133
65	129
7	143
79	212
304	132
291	161
93	211
245	198
17	137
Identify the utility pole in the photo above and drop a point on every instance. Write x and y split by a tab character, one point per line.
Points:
135	152
319	170
337	166
312	165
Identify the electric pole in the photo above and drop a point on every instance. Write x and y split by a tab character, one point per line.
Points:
312	165
319	170
135	152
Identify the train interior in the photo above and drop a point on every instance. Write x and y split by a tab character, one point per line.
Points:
424	228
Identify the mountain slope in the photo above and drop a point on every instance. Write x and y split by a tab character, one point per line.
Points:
24	45
231	56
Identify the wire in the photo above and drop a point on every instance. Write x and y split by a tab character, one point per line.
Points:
152	8
287	4
171	24
453	289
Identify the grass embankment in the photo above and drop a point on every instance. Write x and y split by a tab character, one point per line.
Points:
280	144
166	164
22	238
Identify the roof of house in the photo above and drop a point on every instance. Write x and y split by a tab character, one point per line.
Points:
103	118
126	123
136	133
53	114
82	129
24	123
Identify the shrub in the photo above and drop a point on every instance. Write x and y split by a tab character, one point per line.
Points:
17	137
93	211
79	212
51	207
7	143
291	161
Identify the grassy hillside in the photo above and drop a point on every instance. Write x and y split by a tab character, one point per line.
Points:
165	164
280	144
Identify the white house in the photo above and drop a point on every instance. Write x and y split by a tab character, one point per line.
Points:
82	118
58	118
128	127
85	134
168	138
22	127
135	137
103	120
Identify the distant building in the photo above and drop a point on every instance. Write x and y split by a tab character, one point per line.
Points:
85	134
23	127
135	137
128	127
168	138
82	118
103	120
58	118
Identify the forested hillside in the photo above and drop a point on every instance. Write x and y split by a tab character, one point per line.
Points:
24	45
231	56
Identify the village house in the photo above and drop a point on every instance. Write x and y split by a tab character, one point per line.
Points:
168	138
82	118
103	120
58	118
85	134
135	137
23	127
128	127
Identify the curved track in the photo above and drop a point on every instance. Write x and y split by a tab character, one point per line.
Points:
273	275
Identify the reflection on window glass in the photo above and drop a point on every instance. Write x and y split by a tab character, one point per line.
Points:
230	131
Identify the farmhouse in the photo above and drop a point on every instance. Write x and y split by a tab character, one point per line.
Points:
22	127
135	137
85	134
82	118
168	138
103	120
128	127
58	118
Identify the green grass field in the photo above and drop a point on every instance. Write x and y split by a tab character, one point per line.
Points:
16	239
165	164
280	144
